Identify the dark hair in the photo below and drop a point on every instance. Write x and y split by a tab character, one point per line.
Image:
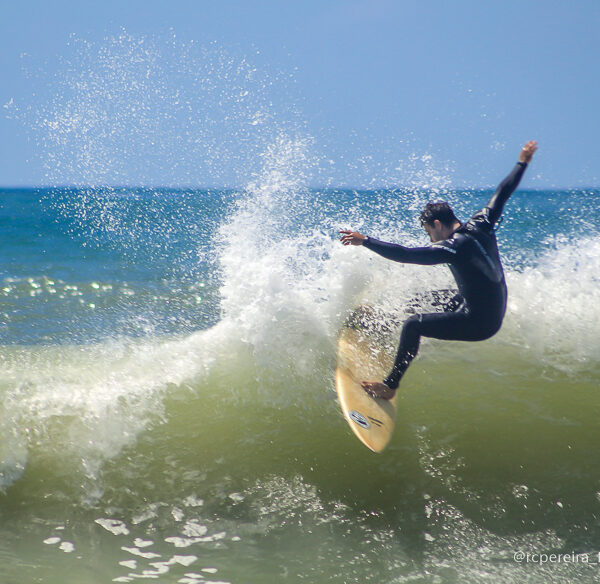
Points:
440	211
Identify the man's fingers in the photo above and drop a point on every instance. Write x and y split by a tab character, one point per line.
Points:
531	145
349	238
529	150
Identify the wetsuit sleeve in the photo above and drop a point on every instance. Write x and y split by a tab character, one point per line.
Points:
442	252
507	187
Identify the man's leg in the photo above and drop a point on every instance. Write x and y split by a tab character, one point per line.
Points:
452	326
410	338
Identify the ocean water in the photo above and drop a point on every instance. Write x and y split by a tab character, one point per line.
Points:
167	356
168	408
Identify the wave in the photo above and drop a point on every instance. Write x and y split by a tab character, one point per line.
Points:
286	287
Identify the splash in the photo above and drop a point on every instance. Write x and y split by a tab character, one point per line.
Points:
142	110
554	304
147	110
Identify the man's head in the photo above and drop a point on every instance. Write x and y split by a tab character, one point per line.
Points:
439	220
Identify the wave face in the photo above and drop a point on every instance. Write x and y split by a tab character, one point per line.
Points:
167	355
168	384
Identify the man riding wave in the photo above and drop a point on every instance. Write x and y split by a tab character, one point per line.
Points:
471	251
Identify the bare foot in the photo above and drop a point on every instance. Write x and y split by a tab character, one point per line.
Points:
376	389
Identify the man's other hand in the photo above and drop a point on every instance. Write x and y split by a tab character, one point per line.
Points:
352	237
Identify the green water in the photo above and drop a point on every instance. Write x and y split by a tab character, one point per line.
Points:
241	486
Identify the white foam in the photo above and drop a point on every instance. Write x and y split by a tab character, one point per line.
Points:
137	552
67	547
554	306
91	400
114	526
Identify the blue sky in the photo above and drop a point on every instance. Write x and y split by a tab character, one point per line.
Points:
387	91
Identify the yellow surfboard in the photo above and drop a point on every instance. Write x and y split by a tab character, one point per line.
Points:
361	355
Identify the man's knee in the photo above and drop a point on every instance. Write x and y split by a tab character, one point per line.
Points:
488	331
411	330
412	324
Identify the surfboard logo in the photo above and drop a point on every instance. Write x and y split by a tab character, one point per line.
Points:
376	421
359	419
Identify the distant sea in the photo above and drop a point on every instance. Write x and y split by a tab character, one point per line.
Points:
168	409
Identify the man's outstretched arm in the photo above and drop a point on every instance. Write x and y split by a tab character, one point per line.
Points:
442	252
510	183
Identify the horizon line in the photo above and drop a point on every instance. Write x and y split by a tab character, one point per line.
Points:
311	187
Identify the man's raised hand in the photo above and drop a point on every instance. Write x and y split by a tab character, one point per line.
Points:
528	151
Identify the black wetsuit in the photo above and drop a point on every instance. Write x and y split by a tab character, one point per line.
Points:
476	313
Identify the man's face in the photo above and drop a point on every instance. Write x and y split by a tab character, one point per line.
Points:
435	231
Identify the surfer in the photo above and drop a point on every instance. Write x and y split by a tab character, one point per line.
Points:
471	250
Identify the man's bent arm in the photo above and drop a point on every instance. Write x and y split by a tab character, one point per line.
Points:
504	191
439	253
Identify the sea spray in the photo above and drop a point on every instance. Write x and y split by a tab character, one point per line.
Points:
554	305
154	110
